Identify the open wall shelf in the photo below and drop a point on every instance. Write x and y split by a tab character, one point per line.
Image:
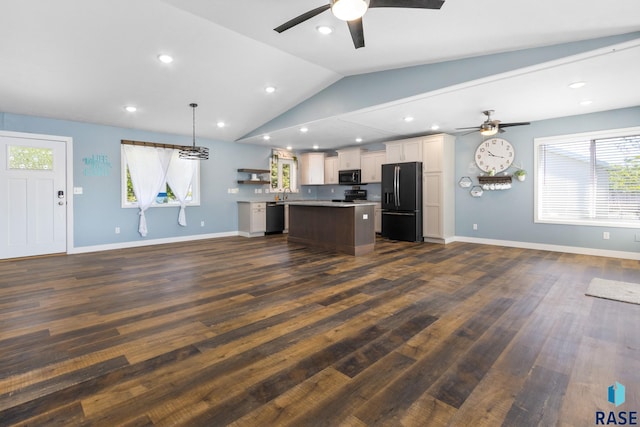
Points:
497	179
258	172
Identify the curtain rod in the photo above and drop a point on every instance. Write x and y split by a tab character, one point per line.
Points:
154	144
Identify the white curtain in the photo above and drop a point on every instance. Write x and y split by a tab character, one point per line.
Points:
148	169
179	177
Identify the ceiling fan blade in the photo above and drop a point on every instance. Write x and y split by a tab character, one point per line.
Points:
474	127
357	32
506	125
299	19
417	4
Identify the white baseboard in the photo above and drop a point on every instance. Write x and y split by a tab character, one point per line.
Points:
139	243
552	248
481	241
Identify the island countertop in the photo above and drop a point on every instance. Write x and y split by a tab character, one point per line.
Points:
328	203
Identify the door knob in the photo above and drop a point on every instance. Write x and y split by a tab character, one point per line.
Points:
61	203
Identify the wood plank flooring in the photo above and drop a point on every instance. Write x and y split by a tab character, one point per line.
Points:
259	332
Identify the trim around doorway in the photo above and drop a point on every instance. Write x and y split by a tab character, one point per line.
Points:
68	144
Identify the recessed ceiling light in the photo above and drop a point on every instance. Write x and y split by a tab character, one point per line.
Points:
435	127
289	147
304	129
266	137
131	108
220	124
358	139
586	102
324	29
315	147
408	119
577	85
269	89
164	58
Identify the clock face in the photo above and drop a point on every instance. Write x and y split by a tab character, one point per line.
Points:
495	154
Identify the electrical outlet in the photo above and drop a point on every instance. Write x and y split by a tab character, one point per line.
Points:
309	190
201	223
365	216
117	230
332	190
475	226
605	235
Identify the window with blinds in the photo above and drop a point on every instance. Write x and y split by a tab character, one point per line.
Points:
591	178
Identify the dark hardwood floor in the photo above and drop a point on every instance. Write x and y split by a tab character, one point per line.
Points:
258	332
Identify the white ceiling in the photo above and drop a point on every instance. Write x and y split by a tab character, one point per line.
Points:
84	61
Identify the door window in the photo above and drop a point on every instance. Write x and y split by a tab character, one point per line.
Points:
30	158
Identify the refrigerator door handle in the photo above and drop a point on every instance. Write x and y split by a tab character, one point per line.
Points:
399	213
396	185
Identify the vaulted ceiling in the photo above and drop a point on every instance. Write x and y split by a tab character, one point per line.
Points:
86	61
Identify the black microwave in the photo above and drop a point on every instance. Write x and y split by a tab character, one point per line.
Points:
349	177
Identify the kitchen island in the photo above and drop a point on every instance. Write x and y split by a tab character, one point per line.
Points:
337	226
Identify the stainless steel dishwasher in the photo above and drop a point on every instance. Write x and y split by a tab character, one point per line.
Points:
275	218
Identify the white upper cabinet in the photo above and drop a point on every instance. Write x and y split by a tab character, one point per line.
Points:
371	165
312	169
349	159
407	150
331	170
438	167
433	150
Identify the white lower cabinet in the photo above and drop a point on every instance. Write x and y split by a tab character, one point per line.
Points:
377	223
252	218
286	219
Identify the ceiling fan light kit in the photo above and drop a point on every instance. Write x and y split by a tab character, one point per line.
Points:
348	10
491	127
352	11
488	130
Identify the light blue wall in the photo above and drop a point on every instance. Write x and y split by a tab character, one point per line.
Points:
508	214
501	215
97	212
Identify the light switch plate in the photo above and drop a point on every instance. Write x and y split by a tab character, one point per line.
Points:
77	190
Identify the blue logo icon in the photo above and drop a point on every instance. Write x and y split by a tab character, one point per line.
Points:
616	394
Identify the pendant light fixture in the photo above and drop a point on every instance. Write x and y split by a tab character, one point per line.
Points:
193	152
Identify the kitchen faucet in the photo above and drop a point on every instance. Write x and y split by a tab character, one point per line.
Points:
285	193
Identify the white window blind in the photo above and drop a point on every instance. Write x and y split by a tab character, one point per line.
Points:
594	179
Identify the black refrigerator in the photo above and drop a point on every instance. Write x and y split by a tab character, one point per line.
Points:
402	201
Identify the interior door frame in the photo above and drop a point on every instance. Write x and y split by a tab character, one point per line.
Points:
68	145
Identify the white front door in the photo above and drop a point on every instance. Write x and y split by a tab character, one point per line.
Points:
33	212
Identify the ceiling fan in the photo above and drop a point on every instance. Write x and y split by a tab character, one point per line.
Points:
351	11
491	127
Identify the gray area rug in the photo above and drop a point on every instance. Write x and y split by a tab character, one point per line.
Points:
614	290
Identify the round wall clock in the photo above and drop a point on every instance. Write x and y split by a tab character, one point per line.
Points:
495	154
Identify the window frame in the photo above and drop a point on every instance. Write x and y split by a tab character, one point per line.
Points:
195	187
293	176
568	139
